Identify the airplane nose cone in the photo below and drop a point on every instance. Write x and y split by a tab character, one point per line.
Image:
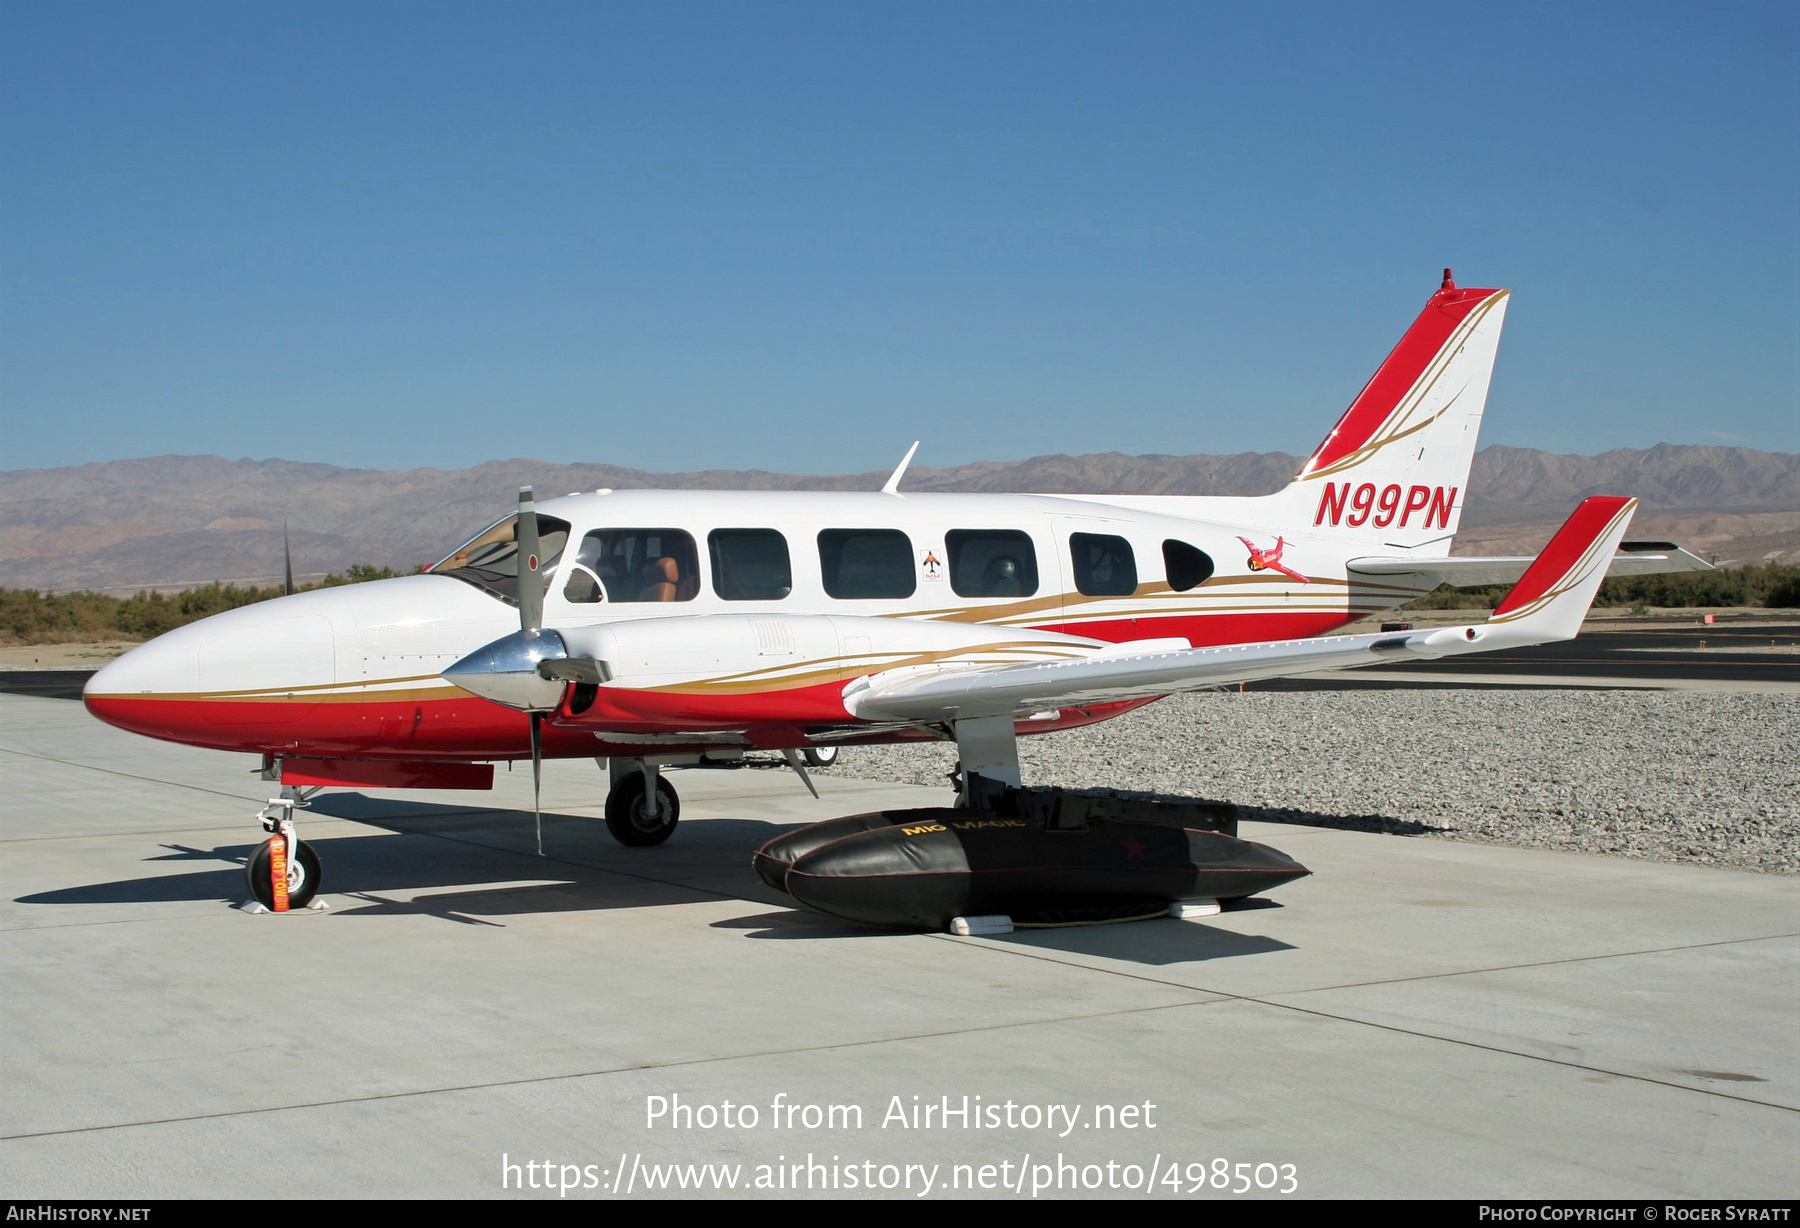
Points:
208	682
506	671
168	665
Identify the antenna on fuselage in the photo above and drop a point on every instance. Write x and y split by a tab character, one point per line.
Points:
287	554
893	484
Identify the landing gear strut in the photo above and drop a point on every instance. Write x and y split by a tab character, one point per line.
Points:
641	808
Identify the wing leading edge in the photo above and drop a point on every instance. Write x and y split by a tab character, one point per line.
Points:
1548	603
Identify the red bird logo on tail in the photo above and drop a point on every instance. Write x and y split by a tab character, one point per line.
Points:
1270	559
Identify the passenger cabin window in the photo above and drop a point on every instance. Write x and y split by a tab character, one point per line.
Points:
991	563
627	565
1188	566
866	564
750	564
1104	565
490	559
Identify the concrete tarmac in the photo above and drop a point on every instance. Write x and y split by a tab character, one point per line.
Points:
1419	1018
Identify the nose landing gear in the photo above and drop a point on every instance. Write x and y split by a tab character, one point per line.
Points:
283	874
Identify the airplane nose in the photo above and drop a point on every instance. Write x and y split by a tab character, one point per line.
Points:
167	665
225	675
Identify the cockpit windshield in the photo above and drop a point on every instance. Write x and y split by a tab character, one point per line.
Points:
490	559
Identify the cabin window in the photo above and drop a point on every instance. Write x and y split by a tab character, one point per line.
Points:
991	563
1104	565
1189	567
750	564
637	565
490	559
866	564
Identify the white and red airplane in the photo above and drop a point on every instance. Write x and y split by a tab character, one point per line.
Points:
652	628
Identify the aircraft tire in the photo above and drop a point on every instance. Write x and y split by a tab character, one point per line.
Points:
820	756
628	819
303	876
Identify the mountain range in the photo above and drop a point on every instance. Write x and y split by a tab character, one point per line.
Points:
176	521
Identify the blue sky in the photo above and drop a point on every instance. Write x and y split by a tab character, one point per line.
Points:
797	237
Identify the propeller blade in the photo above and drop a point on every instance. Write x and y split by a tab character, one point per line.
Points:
287	553
537	777
531	578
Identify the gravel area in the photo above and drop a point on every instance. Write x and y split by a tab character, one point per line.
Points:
1671	776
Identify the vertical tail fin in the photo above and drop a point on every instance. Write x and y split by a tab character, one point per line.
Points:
1394	468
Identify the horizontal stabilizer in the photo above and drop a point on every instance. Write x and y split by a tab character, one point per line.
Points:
1631	559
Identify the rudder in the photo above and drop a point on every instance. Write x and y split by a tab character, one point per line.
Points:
1395	467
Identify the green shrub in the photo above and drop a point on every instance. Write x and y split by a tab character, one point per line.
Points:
30	617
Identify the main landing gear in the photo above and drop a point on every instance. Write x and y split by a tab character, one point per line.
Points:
283	874
641	808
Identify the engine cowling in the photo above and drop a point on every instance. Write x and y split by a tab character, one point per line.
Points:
727	670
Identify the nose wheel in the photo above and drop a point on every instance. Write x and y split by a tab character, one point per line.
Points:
302	873
632	817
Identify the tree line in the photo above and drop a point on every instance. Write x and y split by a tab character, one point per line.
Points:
30	617
1773	585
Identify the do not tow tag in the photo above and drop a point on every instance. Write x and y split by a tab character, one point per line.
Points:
278	872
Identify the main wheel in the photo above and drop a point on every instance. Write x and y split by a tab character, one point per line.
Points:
302	875
629	819
820	756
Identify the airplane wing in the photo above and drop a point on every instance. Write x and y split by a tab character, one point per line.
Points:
1548	603
1632	559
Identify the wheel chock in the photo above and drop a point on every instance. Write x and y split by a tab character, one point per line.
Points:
1187	910
255	908
980	927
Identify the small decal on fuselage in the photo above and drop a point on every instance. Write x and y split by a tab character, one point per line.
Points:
1270	559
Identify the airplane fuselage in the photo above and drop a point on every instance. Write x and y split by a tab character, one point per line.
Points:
886	578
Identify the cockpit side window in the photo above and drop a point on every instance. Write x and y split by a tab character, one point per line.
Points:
490	559
583	586
632	565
